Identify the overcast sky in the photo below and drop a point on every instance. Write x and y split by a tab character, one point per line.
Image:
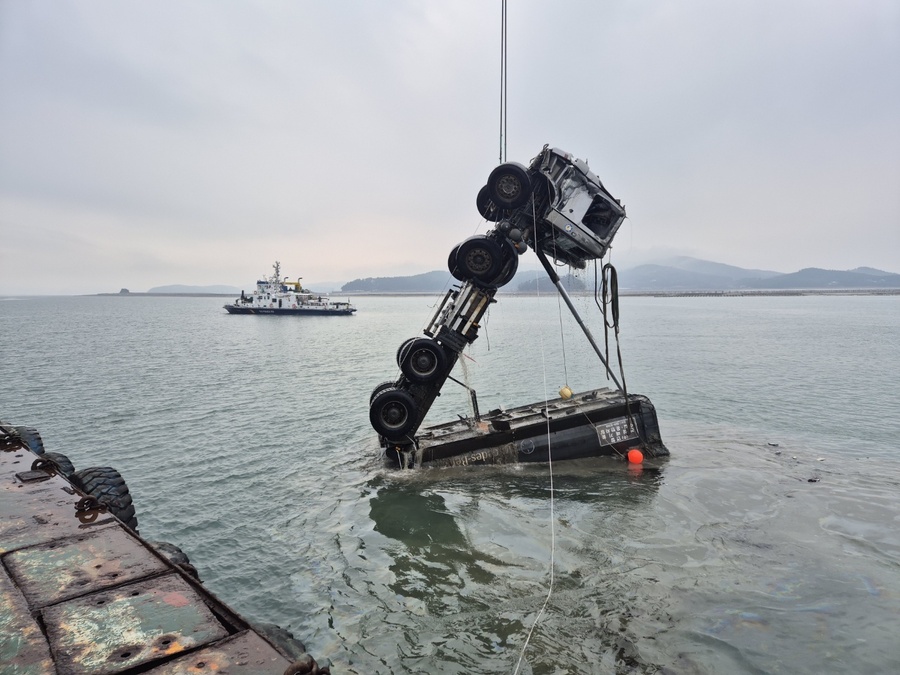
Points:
155	142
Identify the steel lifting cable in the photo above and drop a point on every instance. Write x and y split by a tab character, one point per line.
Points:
503	83
503	135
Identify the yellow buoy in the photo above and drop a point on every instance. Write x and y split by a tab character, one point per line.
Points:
566	393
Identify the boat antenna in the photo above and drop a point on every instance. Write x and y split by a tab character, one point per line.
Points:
503	83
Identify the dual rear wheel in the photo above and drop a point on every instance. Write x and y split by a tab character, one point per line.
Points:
393	413
485	260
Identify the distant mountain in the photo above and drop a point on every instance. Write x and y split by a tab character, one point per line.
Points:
180	288
814	277
715	269
430	282
324	286
666	278
870	270
691	274
539	282
671	274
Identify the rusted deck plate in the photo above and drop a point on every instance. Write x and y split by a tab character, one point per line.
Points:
66	568
23	650
128	626
80	593
36	512
244	654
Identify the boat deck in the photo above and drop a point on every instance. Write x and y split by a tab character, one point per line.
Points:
82	593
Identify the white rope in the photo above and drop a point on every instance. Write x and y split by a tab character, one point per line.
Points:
543	609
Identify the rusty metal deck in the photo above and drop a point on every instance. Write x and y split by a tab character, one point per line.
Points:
82	593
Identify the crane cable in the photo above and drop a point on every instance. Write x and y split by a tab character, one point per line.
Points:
503	83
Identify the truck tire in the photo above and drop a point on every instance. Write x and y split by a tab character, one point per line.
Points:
479	259
393	414
401	350
485	206
423	361
387	384
509	185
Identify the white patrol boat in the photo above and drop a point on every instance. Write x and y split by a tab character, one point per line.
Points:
280	296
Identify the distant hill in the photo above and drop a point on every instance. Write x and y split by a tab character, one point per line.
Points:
180	288
814	277
539	282
691	274
430	282
715	269
666	278
680	273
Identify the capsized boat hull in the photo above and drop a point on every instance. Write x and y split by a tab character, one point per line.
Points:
597	423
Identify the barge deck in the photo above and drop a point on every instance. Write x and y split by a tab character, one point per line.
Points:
80	592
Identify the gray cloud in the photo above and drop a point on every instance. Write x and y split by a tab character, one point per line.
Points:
162	142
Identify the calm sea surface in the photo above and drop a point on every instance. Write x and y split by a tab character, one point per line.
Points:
246	441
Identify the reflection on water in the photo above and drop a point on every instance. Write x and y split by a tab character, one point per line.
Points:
470	553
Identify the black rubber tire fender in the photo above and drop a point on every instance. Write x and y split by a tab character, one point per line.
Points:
175	555
393	413
479	258
509	185
171	552
282	639
63	464
108	487
423	361
30	439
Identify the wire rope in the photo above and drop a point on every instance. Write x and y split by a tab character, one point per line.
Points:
503	106
546	602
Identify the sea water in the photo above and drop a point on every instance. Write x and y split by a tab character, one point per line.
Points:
768	542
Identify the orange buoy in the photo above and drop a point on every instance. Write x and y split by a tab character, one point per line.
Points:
635	456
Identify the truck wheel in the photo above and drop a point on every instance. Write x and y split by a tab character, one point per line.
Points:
509	185
402	349
393	414
485	206
423	361
108	487
479	258
510	268
380	388
453	266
